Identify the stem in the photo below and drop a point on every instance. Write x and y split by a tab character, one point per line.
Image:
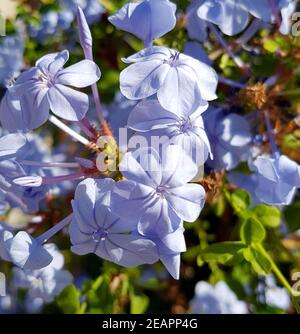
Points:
226	47
62	178
270	134
54	120
55	229
277	271
98	103
85	129
50	164
230	82
89	55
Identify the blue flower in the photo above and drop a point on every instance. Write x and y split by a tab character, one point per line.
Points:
25	252
13	150
229	135
274	180
143	19
92	8
12	116
157	190
185	129
181	83
232	17
22	250
218	299
45	283
169	249
97	229
277	179
196	27
93	11
11	58
45	87
194	49
271	294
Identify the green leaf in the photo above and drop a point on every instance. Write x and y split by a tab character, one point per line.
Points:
139	304
252	231
69	300
267	215
240	201
259	261
100	296
222	252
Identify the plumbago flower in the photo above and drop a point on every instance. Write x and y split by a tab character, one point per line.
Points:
157	190
275	177
143	19
196	28
218	299
92	8
14	149
23	250
185	129
274	180
45	283
45	87
194	49
232	17
95	228
268	292
159	70
11	57
230	138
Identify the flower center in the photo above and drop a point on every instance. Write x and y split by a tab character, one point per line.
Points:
184	125
100	234
161	191
172	61
46	78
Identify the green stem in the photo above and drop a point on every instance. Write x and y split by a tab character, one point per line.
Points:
277	271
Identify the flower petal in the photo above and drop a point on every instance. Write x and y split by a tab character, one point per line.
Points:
142	80
149	115
135	250
187	201
68	103
81	74
142	166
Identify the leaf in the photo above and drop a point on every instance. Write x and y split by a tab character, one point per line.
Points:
69	300
240	200
139	304
252	231
259	261
267	215
222	252
100	296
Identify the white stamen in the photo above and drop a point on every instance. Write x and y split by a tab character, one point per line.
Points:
69	131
